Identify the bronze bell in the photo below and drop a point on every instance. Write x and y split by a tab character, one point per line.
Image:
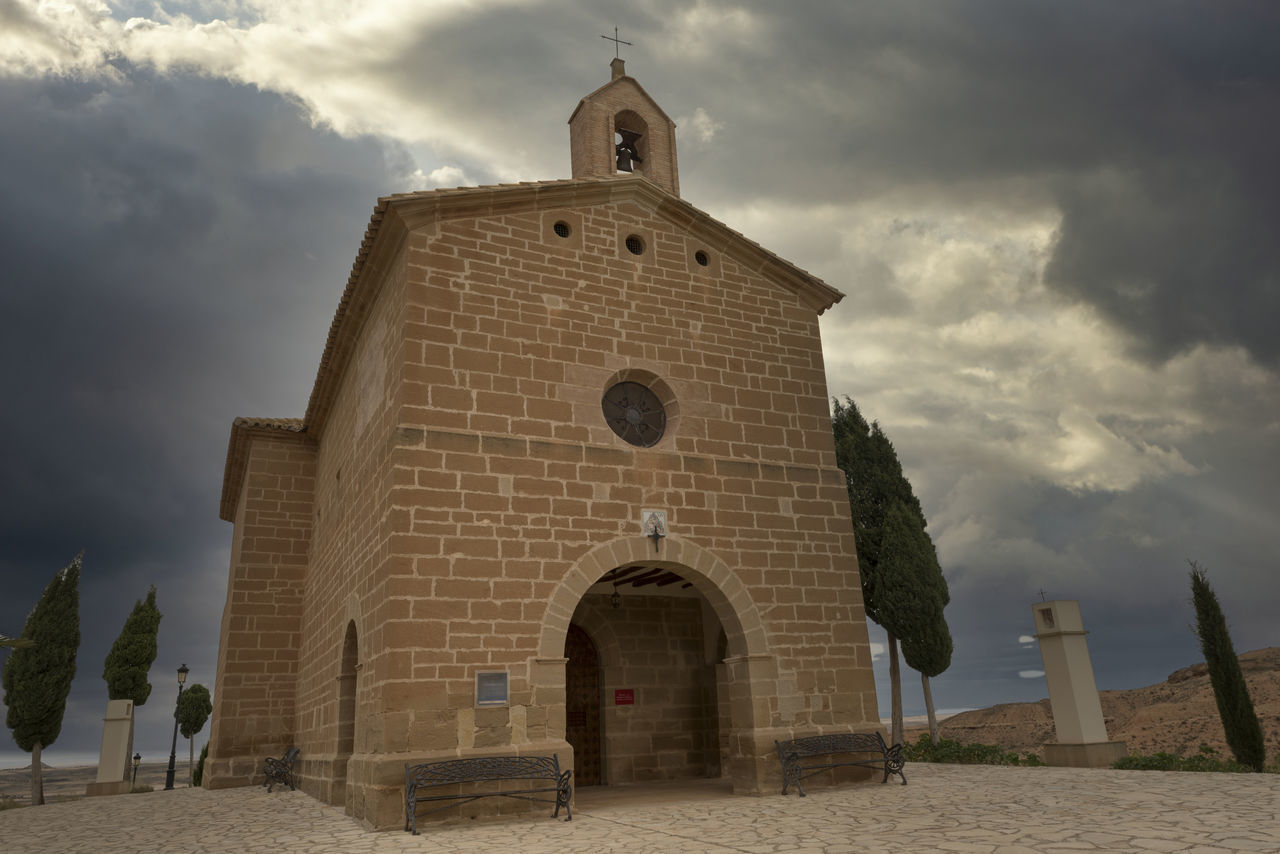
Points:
627	150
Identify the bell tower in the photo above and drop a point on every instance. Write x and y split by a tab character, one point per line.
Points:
619	130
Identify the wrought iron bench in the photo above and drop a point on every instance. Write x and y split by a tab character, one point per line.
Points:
795	752
427	782
281	770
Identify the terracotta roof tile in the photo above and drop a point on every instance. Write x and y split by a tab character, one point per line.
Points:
293	425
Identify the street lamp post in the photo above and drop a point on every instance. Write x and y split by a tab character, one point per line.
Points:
173	751
137	760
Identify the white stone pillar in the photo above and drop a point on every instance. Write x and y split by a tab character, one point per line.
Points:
113	760
1073	693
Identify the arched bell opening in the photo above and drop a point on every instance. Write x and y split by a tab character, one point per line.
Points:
631	143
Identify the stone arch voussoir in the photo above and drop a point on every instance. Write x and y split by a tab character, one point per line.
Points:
711	576
602	634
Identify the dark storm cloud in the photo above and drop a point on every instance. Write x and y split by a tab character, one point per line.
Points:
163	275
1123	555
1151	128
1180	257
524	70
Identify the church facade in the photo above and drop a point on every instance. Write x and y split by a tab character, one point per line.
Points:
565	484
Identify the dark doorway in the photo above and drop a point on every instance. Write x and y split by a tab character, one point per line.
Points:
582	705
346	714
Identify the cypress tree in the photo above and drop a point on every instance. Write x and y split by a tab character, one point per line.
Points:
193	710
905	598
903	602
874	480
1235	707
928	651
127	665
37	678
901	549
197	776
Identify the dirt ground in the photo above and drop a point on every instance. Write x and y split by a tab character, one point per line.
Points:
1175	716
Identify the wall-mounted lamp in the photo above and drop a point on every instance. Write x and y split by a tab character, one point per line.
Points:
615	600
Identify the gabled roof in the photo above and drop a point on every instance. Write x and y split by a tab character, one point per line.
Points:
394	216
615	82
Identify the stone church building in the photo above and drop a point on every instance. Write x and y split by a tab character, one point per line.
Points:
565	484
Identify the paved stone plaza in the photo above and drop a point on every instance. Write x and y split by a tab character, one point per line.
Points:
978	809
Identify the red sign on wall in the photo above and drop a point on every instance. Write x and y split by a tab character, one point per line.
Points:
624	696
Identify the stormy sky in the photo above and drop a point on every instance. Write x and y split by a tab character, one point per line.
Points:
1056	224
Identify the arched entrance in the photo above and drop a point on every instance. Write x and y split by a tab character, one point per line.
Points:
659	709
346	713
582	706
679	700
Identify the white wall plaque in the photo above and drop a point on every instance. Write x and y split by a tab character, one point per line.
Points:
491	688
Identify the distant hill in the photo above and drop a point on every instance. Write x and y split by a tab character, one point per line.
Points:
1175	716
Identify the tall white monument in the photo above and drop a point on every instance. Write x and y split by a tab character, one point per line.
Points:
1073	694
113	762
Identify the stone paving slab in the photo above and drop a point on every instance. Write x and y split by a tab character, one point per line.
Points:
948	808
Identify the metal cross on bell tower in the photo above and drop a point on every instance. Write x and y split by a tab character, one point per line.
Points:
617	43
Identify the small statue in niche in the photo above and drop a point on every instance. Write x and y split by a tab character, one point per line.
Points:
628	150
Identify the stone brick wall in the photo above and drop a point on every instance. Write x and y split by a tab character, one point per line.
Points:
254	693
508	474
655	647
468	491
351	553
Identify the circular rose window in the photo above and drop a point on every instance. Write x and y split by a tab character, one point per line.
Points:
635	413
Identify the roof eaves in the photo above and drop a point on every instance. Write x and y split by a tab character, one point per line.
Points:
817	293
615	82
242	432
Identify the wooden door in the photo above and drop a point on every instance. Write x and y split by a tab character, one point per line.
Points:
582	706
